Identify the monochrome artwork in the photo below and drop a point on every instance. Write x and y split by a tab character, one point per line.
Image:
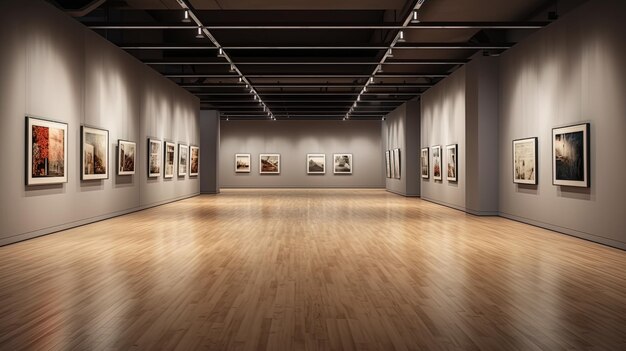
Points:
396	163
126	155
46	152
570	155
424	163
452	162
170	160
183	157
194	161
342	163
242	163
525	161
316	163
269	163
437	162
154	158
388	163
95	153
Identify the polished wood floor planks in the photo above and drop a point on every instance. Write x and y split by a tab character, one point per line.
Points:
303	269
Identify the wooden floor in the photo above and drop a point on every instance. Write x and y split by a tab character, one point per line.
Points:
310	269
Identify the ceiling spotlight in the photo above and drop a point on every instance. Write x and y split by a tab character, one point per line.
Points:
379	69
401	37
220	52
371	80
186	19
232	67
383	118
255	97
358	98
389	53
414	18
247	86
199	35
365	89
240	80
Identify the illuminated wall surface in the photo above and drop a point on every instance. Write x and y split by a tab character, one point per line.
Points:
55	68
568	73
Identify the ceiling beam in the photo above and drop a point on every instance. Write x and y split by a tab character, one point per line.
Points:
350	63
422	25
431	46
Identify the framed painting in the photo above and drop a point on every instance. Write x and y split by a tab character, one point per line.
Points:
269	163
154	158
126	156
183	157
437	162
342	163
242	163
388	163
570	156
425	167
315	163
194	161
525	161
452	162
94	153
46	151
170	160
396	163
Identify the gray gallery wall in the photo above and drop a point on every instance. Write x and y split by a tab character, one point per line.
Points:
443	122
294	140
53	67
401	129
209	151
570	72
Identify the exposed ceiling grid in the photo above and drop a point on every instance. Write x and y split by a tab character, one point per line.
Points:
310	60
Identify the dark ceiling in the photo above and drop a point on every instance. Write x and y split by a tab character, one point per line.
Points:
310	59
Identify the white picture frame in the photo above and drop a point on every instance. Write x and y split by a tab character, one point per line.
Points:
525	155
183	159
51	169
570	156
94	158
316	163
269	163
169	159
342	164
126	157
243	163
155	158
437	167
194	161
452	162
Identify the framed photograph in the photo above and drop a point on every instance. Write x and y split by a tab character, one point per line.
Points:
170	160
183	157
388	163
425	167
437	162
396	163
342	163
194	161
452	162
126	156
154	158
269	163
46	152
242	163
525	161
315	163
95	153
570	155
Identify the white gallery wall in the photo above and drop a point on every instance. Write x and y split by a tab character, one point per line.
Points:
571	72
293	140
54	68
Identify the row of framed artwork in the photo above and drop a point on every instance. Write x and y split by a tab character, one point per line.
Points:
392	163
570	157
46	154
315	163
452	165
155	161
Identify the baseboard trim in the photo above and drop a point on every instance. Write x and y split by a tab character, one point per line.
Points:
302	187
399	193
482	213
567	231
57	228
442	203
